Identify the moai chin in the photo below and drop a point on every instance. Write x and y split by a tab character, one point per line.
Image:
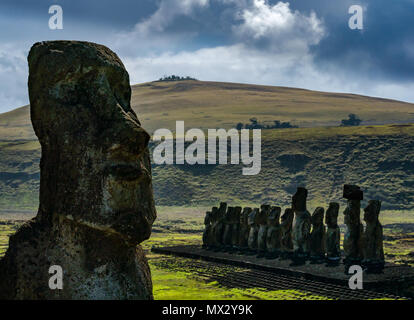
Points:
317	236
302	227
253	230
244	229
274	233
207	228
261	236
227	238
333	235
286	222
218	228
373	238
353	235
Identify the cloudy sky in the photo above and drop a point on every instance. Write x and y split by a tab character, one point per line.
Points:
298	43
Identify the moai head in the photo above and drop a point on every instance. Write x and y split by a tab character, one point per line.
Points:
237	214
274	216
352	192
354	195
317	217
229	214
372	211
222	210
299	200
263	214
207	218
253	217
214	212
95	168
244	216
331	218
287	217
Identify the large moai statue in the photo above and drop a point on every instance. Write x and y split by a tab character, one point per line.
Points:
228	220
353	236
244	229
286	222
253	231
208	235
96	199
302	227
235	232
274	233
219	225
317	236
207	229
373	239
262	234
333	235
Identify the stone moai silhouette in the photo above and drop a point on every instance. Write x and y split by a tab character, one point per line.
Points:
253	230
353	235
228	228
207	228
302	227
373	249
218	227
333	235
261	236
235	224
210	239
244	229
274	233
317	236
286	222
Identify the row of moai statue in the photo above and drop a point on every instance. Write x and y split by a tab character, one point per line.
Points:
269	234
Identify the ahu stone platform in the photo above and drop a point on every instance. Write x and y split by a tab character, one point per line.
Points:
395	279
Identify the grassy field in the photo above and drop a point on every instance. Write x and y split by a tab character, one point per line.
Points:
174	279
378	158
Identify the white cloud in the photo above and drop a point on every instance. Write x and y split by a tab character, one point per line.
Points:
167	11
280	26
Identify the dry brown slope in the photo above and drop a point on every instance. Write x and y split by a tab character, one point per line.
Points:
205	104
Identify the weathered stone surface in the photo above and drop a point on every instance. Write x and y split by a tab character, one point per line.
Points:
228	227
218	226
262	234
302	227
207	228
235	225
317	236
286	222
274	232
244	228
253	229
333	233
373	238
353	235
96	200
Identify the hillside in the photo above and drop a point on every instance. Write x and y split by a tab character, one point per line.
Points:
379	158
222	105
